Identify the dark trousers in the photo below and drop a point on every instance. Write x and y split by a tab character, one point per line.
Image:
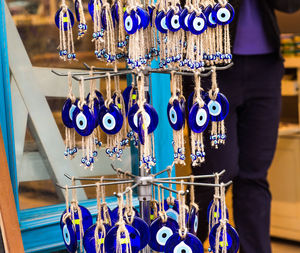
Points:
253	88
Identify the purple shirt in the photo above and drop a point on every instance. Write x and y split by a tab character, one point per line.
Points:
250	36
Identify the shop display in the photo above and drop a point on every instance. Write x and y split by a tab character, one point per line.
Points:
192	40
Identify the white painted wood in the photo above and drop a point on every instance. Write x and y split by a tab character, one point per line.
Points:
33	167
42	122
20	115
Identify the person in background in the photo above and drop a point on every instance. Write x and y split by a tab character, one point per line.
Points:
253	89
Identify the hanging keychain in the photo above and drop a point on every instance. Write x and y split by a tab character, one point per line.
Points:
64	20
198	121
68	227
93	240
111	122
223	14
84	124
139	224
122	238
193	219
163	227
80	217
223	238
176	117
183	241
218	107
79	11
143	119
67	114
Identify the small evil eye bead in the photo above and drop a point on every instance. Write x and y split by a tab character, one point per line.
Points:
91	160
172	21
130	22
65	52
197	24
181	64
88	163
80	26
193	157
107	151
118	155
69	56
160	22
191	65
66	153
83	160
168	60
182	157
175	155
160	65
179	150
115	150
197	65
153	159
60	53
183	19
210	17
173	143
223	14
135	143
121	151
74	56
95	153
198	153
75	150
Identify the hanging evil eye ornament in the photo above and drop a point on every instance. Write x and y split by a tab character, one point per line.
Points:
122	237
69	234
197	23
160	22
131	219
176	117
80	18
84	123
223	14
64	20
130	22
67	114
111	121
144	126
193	219
198	121
89	238
160	232
118	15
172	20
223	235
183	19
143	18
163	227
228	237
218	107
182	241
211	19
190	244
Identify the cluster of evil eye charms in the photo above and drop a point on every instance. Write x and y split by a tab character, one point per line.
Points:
195	22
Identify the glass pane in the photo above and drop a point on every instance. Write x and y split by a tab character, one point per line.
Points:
35	23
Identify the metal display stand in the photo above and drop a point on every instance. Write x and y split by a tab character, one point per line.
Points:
145	181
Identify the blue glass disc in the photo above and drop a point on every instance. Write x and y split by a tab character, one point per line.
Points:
183	19
172	21
141	127
130	22
151	117
233	241
223	15
126	97
103	19
110	120
114	13
176	115
197	24
65	19
69	235
190	244
160	233
198	118
211	20
67	112
160	22
219	108
143	228
111	240
193	220
99	97
89	238
83	121
144	18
